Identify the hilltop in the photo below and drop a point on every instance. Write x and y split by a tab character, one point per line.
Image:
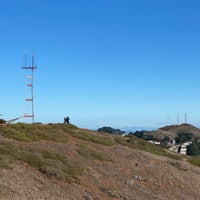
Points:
173	130
62	161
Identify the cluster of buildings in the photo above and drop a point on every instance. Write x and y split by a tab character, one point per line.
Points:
181	148
178	148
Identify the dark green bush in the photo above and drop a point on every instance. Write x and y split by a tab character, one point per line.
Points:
2	121
107	129
183	137
194	148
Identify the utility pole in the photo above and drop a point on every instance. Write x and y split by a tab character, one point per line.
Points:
29	83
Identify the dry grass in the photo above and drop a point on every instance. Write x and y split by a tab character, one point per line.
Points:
33	132
90	153
195	160
88	136
141	144
50	163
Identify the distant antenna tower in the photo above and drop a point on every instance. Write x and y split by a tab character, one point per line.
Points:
185	118
29	83
177	119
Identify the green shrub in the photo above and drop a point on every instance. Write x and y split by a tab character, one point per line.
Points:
183	137
194	148
2	121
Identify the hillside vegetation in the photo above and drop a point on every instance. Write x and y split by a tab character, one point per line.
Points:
62	161
173	131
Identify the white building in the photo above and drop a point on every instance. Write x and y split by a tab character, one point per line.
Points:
183	148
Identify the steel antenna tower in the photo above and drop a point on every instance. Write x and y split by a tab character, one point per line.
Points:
177	119
29	83
185	118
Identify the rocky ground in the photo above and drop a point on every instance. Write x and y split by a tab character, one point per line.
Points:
129	174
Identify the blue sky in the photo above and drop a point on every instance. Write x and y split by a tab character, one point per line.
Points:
103	62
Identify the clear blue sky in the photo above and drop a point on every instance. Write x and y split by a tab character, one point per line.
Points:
103	62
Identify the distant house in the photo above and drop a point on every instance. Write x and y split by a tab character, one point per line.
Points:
154	142
182	149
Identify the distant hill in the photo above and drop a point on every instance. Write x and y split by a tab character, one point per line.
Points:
62	161
173	130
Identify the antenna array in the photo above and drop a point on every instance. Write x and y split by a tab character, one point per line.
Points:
29	83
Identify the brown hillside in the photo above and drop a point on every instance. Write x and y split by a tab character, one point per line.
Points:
63	162
173	130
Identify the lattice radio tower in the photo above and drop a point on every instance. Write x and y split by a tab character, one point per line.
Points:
29	83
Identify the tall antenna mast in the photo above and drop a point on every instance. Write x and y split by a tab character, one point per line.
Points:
185	118
29	84
177	119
